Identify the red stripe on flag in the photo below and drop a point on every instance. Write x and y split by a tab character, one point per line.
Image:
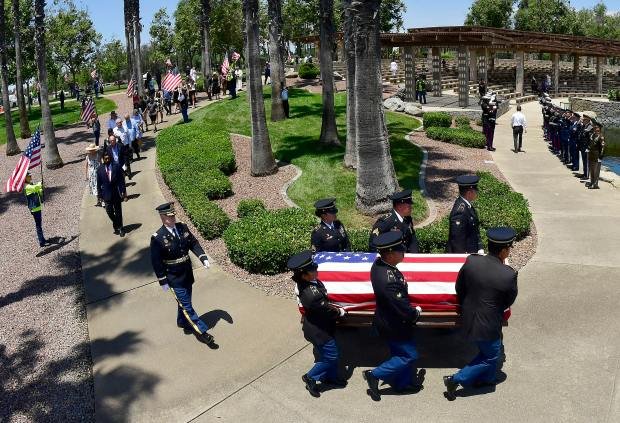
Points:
344	276
433	259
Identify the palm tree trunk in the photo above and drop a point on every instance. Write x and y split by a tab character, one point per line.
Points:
53	160
11	143
19	82
129	38
329	132
137	27
276	58
376	178
206	44
263	162
350	154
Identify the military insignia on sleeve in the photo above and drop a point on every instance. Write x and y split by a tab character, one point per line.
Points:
342	230
461	207
399	295
375	231
314	290
458	222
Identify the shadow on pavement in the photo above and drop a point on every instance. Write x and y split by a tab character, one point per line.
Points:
211	318
55	243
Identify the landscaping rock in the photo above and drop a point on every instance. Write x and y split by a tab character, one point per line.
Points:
413	109
395	104
291	74
400	93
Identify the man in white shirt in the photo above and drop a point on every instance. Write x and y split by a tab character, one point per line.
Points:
130	129
518	126
123	138
112	120
393	68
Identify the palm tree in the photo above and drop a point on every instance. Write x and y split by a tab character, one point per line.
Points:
263	162
376	178
137	28
206	44
129	37
11	143
350	155
52	156
276	53
19	82
329	132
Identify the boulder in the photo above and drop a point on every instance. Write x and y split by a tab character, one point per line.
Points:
395	104
338	76
291	74
413	109
400	94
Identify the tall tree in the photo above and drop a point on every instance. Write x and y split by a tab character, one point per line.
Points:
11	143
19	82
187	40
52	156
129	40
329	131
391	15
376	178
206	45
111	61
276	58
137	28
553	16
493	13
263	162
350	155
161	34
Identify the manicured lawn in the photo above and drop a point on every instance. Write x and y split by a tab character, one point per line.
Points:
70	115
296	140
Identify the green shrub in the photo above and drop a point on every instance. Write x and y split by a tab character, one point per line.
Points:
479	122
210	183
262	243
434	237
250	207
436	119
206	215
613	95
359	239
200	85
459	136
462	121
308	71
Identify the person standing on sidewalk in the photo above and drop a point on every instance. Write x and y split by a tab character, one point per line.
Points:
597	150
34	196
184	104
92	164
464	232
170	247
111	190
519	125
285	105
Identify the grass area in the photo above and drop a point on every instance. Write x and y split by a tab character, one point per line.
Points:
296	140
70	115
113	89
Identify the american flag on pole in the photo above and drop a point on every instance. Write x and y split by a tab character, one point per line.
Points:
225	66
88	109
130	87
29	159
235	56
171	82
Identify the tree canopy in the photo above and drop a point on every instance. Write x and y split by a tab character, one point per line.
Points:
493	13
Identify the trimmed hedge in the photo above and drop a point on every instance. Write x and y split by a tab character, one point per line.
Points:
308	71
250	207
359	238
206	215
263	242
436	119
465	137
462	121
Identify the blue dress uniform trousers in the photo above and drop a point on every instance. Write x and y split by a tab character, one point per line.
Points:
584	160
483	367
574	153
37	222
397	370
186	315
326	368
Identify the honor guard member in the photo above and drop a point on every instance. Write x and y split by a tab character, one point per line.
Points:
394	318
330	235
399	219
597	151
318	322
170	247
584	141
464	234
485	287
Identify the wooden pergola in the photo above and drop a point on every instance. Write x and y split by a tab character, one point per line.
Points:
475	43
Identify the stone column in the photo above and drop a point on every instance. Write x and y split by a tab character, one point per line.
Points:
483	67
473	65
409	57
463	70
555	57
520	73
599	74
575	66
436	72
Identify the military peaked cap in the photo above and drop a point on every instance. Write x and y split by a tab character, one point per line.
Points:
302	262
501	235
166	208
402	197
390	241
467	181
326	205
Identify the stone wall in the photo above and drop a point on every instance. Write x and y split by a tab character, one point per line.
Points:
608	114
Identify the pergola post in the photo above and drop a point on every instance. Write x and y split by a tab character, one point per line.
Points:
599	75
520	73
436	72
463	70
473	65
409	53
575	66
482	67
555	57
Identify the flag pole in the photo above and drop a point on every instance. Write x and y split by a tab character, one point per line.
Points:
41	170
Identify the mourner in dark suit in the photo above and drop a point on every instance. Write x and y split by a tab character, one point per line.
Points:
111	190
485	288
170	247
464	234
330	235
394	318
116	152
399	219
318	322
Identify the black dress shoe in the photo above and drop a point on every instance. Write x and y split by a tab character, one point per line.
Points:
373	385
340	383
311	386
116	231
207	339
186	331
122	233
451	386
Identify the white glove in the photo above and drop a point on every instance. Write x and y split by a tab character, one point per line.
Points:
419	309
342	311
481	251
206	264
506	262
165	287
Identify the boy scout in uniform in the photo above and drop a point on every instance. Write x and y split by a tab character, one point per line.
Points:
330	235
464	234
170	247
399	219
34	196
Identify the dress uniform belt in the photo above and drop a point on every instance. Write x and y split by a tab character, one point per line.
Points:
177	261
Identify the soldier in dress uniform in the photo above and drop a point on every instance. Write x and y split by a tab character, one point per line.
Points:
170	247
464	235
394	319
399	219
330	235
596	149
318	323
485	287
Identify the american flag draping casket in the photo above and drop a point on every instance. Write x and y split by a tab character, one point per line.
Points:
430	278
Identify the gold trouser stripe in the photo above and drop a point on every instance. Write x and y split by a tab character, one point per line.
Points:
191	322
